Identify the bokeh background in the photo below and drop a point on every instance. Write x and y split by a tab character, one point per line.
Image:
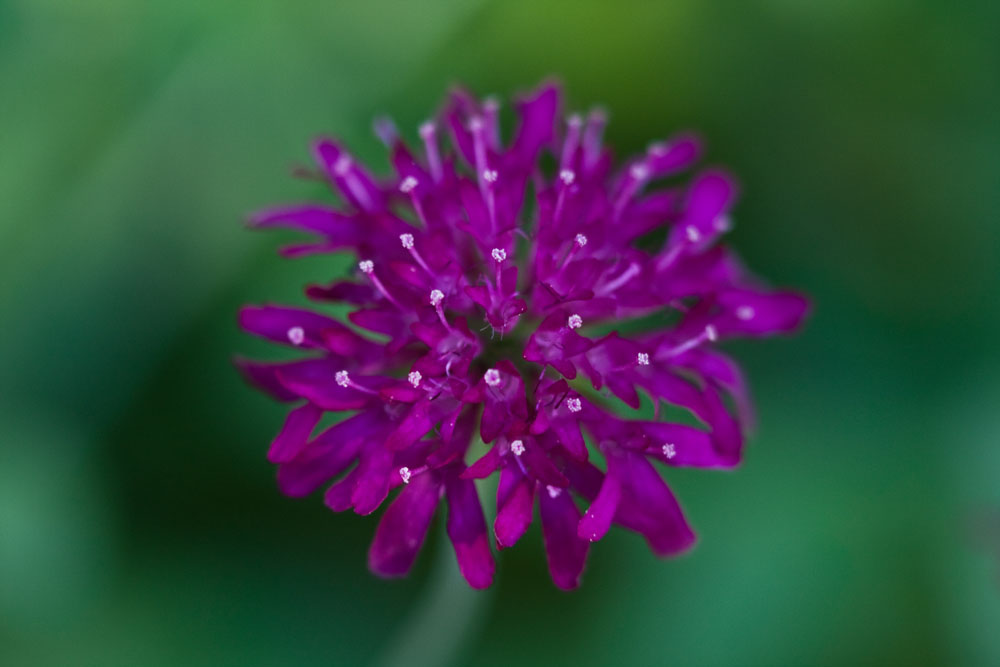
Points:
139	522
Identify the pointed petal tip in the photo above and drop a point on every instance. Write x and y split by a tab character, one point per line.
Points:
677	549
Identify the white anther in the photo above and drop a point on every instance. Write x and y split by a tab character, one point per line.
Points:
415	377
499	254
405	474
492	377
406	240
426	130
342	165
554	491
490	175
517	447
567	176
574	321
475	124
745	313
639	171
437	296
343	378
575	120
408	184
711	333
581	240
296	335
366	266
669	450
574	404
692	233
491	103
643	359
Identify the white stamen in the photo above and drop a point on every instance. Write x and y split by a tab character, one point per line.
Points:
575	120
405	474
437	296
366	266
406	240
567	176
517	447
643	359
554	491
711	333
427	130
669	450
745	313
296	335
492	377
639	171
692	233
574	321
343	379
499	254
490	175
408	184
342	165
475	124
574	404
581	240
415	377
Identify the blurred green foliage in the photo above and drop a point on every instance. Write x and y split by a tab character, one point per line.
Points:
139	523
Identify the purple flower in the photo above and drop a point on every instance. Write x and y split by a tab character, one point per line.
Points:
483	279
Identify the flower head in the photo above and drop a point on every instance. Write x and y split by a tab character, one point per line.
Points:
467	319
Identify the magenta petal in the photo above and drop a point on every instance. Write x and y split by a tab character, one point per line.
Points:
309	218
353	182
421	417
565	551
485	466
597	519
541	466
710	195
314	379
467	531
648	506
752	313
403	527
673	156
338	496
681	445
568	433
554	342
403	392
294	434
515	497
343	291
328	455
373	480
456	439
723	371
265	377
538	115
279	324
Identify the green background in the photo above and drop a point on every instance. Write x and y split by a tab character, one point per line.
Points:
139	522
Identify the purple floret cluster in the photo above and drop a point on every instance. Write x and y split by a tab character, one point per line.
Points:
481	339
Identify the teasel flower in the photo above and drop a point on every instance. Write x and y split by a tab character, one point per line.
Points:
488	296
